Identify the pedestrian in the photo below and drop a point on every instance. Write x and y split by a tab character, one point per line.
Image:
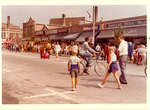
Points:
111	68
123	57
130	51
57	49
74	69
98	48
75	47
106	50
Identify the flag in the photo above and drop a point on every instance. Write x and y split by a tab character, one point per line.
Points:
89	14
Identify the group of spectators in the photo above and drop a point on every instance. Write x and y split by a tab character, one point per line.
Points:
136	53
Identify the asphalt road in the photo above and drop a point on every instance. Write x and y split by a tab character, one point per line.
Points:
27	79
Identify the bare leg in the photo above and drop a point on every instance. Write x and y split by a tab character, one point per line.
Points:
56	55
105	79
117	79
73	84
76	81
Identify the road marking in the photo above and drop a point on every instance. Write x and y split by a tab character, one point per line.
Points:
60	94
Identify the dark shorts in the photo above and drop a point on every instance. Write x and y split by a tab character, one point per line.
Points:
113	67
74	73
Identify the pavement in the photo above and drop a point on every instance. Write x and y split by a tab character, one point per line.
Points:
27	79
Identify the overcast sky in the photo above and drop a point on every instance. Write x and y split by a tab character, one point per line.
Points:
42	14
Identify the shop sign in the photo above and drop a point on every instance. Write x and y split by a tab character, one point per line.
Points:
89	28
128	23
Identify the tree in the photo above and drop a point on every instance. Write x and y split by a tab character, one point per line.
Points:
118	32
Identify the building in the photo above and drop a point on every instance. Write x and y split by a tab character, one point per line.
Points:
134	29
77	28
10	31
64	21
57	29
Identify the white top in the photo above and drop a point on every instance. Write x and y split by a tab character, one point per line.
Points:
123	48
75	48
98	48
74	60
86	48
113	57
57	48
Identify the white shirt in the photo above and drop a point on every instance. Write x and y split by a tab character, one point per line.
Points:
123	48
86	48
74	60
57	48
113	57
75	48
98	48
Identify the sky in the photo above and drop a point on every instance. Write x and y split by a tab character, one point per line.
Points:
42	14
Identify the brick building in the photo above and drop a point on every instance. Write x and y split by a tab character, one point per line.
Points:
58	27
77	28
134	29
10	31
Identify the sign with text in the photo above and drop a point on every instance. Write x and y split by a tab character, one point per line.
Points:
124	24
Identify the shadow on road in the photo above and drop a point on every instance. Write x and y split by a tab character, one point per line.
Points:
95	86
6	97
59	87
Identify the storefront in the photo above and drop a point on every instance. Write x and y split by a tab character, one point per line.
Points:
135	34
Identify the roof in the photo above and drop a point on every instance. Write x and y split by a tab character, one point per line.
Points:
11	26
125	19
53	27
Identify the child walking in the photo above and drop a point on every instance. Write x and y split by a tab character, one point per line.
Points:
112	68
74	69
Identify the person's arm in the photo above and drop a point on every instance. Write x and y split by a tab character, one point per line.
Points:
90	49
79	67
110	61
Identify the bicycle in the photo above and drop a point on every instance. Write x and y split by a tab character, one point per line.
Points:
99	66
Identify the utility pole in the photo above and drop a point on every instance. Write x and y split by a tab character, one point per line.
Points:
95	15
93	38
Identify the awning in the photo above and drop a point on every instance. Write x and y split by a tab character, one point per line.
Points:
128	32
56	37
83	35
64	37
71	36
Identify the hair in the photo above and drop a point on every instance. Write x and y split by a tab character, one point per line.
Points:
87	38
74	53
112	48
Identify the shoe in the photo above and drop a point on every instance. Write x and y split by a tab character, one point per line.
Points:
85	71
73	89
120	87
123	82
101	86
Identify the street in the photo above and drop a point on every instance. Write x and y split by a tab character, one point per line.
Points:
27	79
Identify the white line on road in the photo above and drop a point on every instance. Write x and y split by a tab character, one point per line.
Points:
60	94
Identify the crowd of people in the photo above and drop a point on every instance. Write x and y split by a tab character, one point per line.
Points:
136	53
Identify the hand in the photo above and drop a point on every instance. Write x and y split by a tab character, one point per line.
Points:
79	71
69	70
108	67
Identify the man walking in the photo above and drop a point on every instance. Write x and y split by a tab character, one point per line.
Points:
123	57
